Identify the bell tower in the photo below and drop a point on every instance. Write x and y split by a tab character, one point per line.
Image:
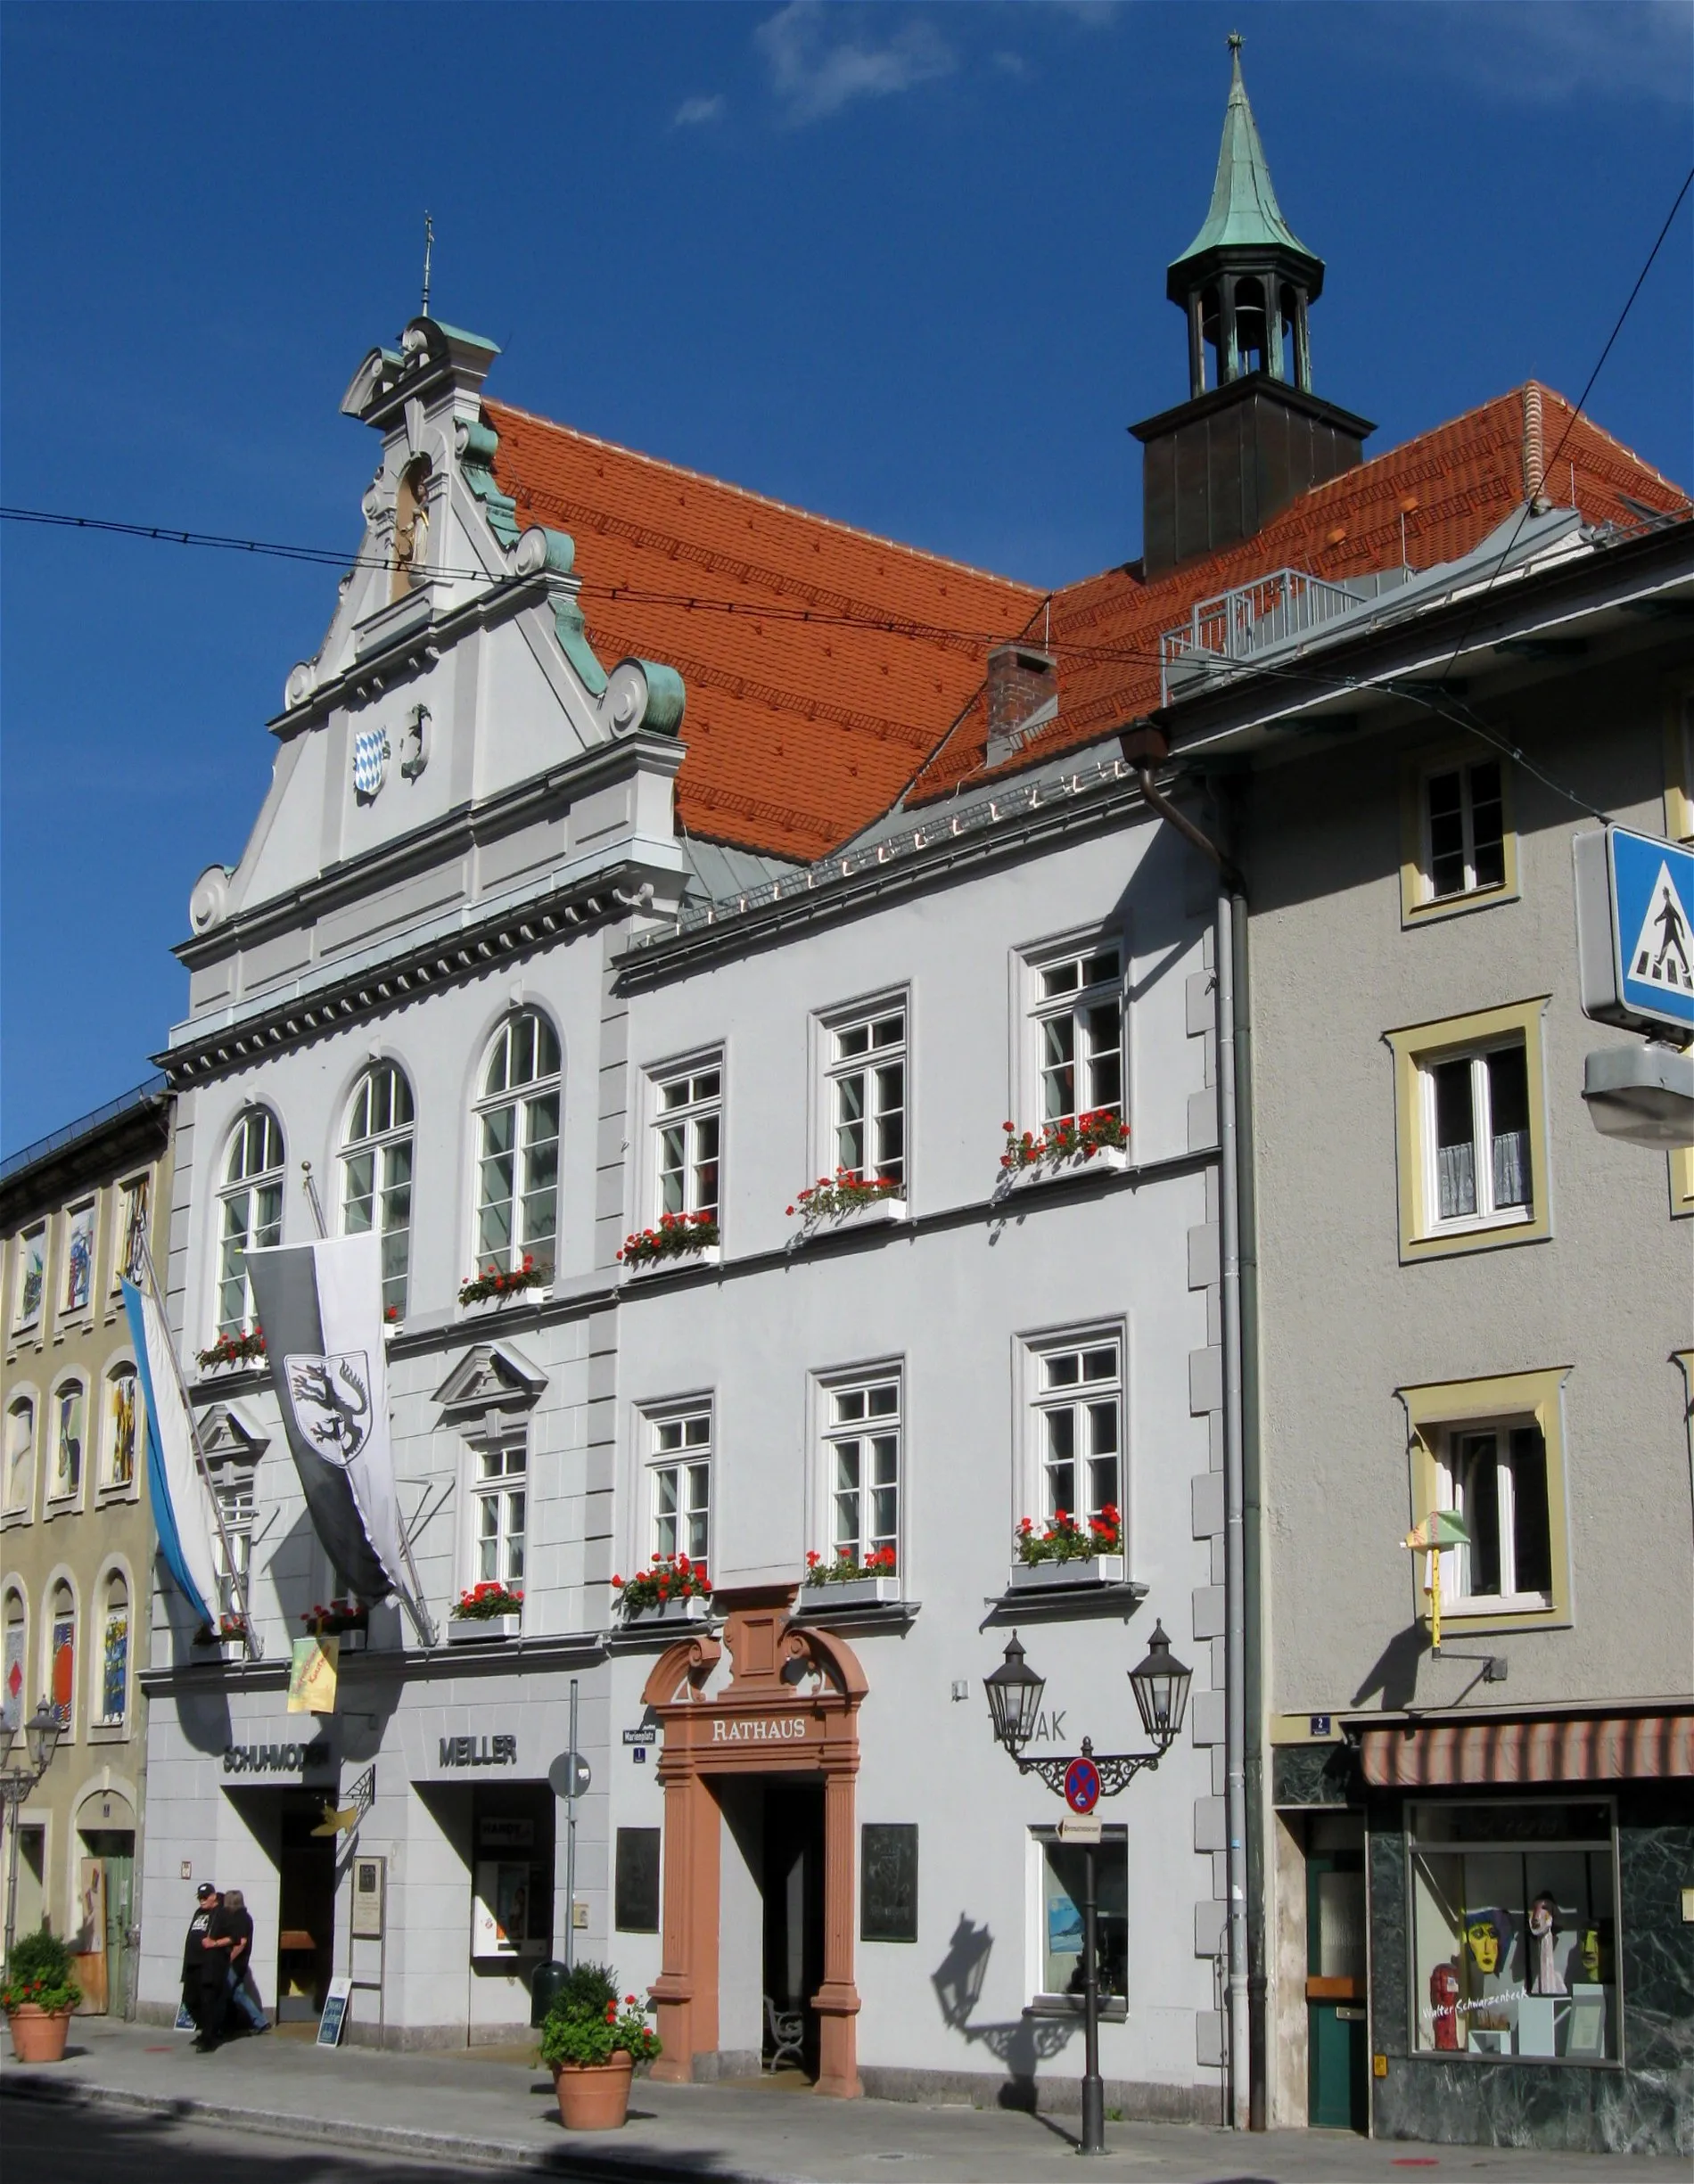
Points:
1252	435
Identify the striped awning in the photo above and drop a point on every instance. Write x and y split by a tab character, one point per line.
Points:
1563	1748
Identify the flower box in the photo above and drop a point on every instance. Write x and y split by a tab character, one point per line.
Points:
850	1592
1103	1161
703	1255
693	1608
1080	1570
872	1212
481	1630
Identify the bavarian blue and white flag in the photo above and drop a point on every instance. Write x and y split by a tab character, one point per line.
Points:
370	760
181	1499
321	1307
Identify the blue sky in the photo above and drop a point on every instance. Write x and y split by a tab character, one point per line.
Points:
901	264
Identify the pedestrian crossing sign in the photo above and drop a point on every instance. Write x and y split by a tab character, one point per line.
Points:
1635	929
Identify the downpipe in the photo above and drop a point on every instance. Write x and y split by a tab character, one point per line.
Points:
1230	931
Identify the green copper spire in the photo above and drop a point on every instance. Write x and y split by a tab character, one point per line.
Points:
1244	213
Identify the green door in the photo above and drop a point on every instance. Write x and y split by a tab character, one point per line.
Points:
115	1847
1336	2082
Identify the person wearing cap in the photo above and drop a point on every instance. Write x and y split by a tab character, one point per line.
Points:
206	1901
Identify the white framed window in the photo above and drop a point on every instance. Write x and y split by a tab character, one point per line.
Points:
121	1430
32	1277
689	1137
69	1425
1076	1019
129	1255
1465	827
233	1487
1476	1137
250	1212
1494	1473
679	1483
79	1257
499	1512
866	1091
862	1432
113	1707
21	1454
1076	1417
1059	1889
376	1174
517	1139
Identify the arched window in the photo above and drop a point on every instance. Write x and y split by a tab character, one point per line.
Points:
12	1706
411	530
517	1127
1289	319
61	1653
20	1452
250	1212
69	1426
114	1651
122	1420
376	1175
1212	335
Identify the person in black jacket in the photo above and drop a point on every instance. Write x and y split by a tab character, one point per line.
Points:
226	1953
206	1901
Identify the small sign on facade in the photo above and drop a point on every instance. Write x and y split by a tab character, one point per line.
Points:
1635	929
645	1735
1079	1827
370	1891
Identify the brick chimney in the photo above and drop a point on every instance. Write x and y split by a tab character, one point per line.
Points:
1023	695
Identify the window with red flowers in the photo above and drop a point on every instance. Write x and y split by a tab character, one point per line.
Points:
1076	1417
861	1435
679	1483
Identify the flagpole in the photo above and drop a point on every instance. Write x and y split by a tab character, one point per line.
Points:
414	1599
237	1581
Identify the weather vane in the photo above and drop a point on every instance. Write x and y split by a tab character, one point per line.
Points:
429	245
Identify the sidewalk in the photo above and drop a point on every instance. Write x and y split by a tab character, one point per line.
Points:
492	2108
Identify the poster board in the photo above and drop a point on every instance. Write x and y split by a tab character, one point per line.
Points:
334	2017
370	1892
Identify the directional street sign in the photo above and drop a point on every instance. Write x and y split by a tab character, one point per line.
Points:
1635	931
1081	1786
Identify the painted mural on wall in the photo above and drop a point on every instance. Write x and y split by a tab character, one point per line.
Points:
79	1258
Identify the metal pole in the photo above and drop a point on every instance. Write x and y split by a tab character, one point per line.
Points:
1093	2090
570	1846
13	1803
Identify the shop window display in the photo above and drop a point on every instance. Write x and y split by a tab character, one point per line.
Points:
1062	1888
1514	1932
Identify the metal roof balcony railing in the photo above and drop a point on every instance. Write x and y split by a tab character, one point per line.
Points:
1228	630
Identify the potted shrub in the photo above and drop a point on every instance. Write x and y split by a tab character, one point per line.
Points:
1066	1552
490	1610
232	1350
496	1284
693	1236
38	1996
1098	1140
673	1590
346	1620
842	1581
591	2042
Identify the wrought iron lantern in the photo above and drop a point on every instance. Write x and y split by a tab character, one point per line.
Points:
1014	1698
1160	1688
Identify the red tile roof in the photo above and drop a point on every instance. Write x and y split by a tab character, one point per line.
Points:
849	668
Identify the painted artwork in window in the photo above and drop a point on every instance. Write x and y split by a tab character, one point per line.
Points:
61	1657
11	1707
20	1452
69	1408
1515	1937
32	1276
79	1257
130	1258
114	1657
121	1427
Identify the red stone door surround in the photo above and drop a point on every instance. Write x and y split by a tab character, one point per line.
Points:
791	1706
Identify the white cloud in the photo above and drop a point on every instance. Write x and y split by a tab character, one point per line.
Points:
694	113
818	65
1550	50
1011	64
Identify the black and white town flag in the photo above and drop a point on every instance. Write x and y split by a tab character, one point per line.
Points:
321	1307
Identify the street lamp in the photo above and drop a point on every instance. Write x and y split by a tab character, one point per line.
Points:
41	1740
1161	1686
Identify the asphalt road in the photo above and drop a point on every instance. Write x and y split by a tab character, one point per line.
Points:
88	2145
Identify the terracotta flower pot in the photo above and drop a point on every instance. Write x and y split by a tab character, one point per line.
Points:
39	2035
593	2095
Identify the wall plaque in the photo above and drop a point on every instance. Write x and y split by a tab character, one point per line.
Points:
636	1889
888	1881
